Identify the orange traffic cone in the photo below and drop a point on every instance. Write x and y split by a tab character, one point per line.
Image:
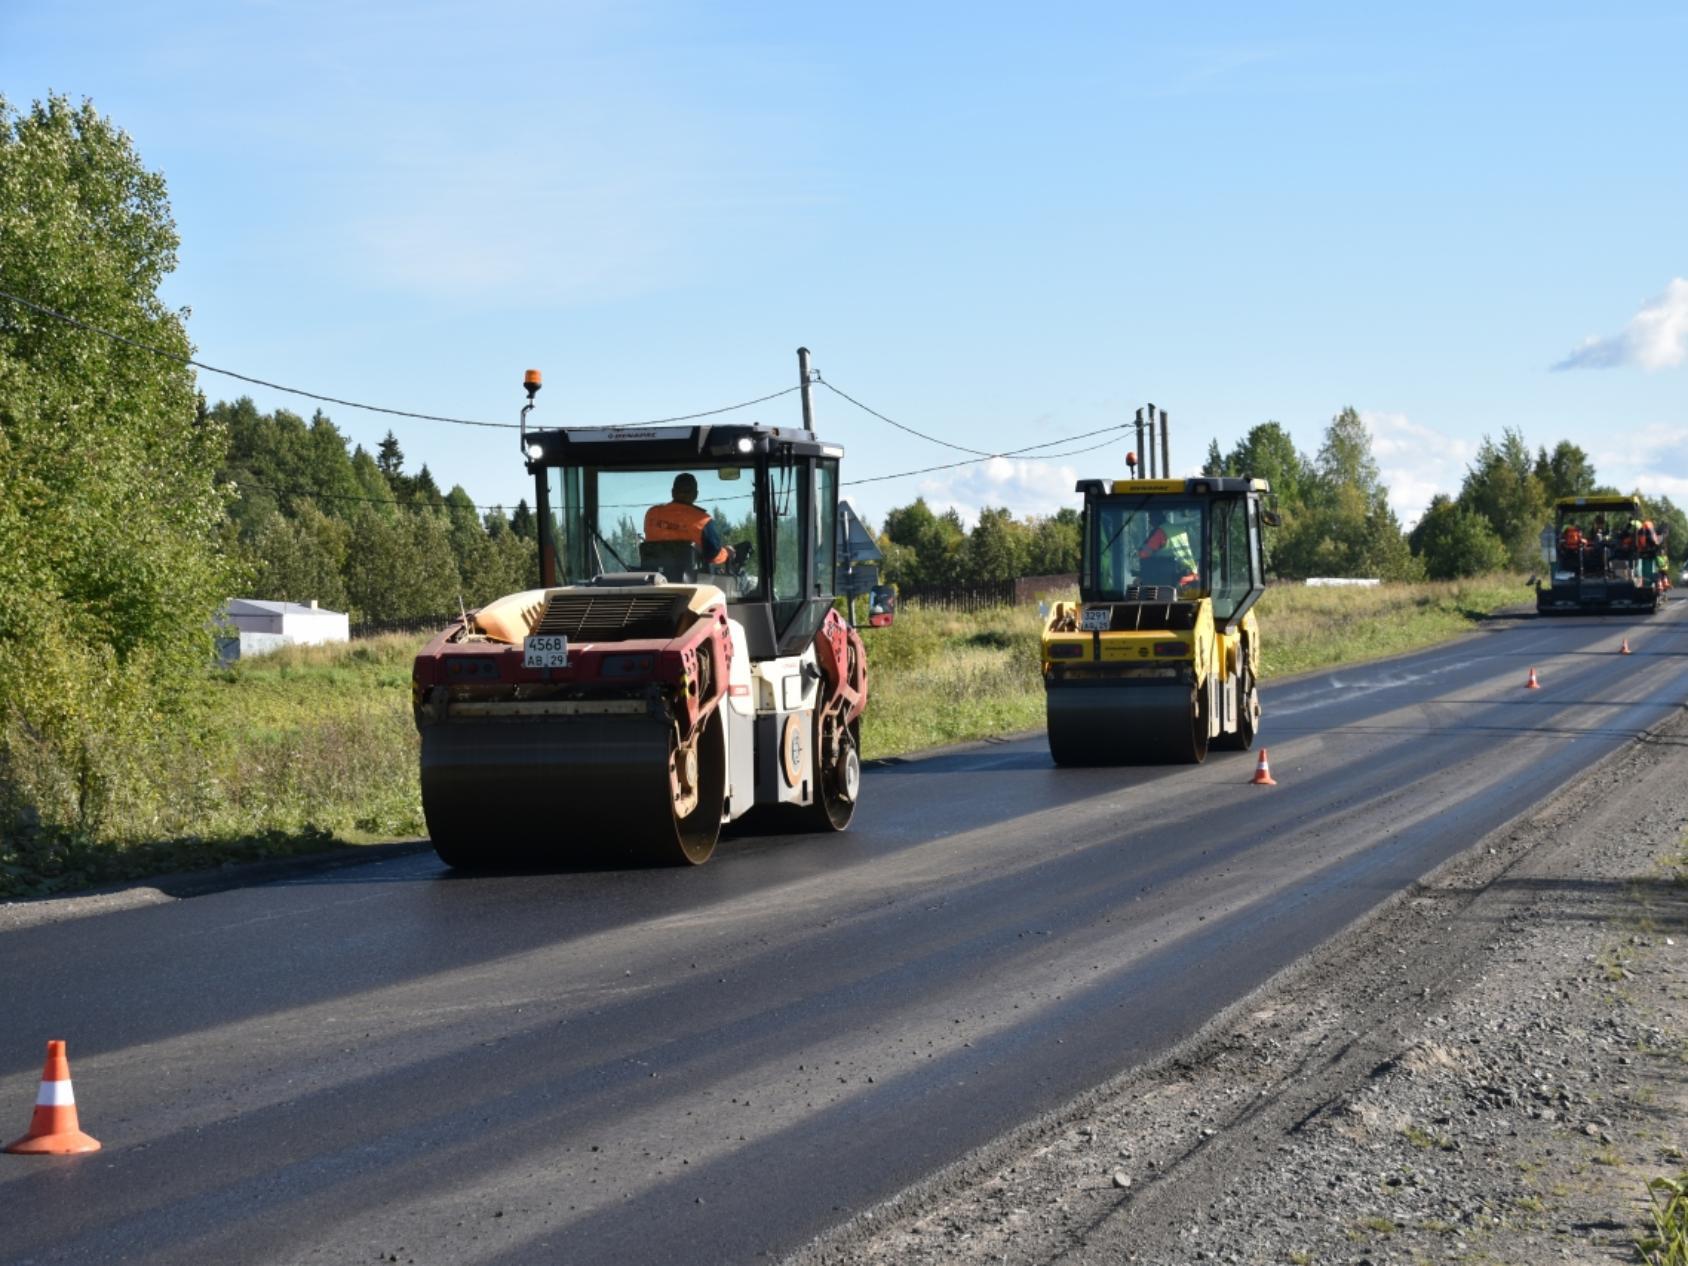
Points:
1624	649
1532	684
1263	773
53	1130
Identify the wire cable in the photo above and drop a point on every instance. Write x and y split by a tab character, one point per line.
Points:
350	404
977	455
926	470
931	439
707	413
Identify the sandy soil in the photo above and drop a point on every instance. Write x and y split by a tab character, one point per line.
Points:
1489	1069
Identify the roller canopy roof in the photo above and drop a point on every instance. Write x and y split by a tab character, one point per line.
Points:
1598	503
672	445
1201	486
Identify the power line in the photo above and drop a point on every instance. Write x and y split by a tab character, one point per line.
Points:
443	503
707	413
977	455
350	404
926	470
932	439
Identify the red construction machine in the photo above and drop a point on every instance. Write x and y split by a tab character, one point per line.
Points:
647	693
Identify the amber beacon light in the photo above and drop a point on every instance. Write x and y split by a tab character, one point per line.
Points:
531	381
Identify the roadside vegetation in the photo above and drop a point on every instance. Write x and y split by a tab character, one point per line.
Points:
135	509
311	747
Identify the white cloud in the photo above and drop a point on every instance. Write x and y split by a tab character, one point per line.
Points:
1025	487
1637	456
1416	461
1655	338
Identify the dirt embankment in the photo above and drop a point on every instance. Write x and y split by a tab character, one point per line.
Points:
1488	1070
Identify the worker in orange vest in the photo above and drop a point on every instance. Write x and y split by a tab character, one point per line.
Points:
1570	547
681	520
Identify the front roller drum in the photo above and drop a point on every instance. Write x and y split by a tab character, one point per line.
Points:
1104	724
573	791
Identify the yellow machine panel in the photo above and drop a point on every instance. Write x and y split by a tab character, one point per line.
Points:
1160	657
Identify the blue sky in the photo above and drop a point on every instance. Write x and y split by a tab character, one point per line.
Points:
1000	224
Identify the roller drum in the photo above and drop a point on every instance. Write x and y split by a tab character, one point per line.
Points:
585	790
1126	725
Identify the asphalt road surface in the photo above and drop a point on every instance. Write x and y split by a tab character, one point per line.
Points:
394	1062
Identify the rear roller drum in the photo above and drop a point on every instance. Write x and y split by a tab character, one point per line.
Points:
1248	716
696	792
838	774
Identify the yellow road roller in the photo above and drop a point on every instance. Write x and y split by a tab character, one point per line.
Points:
1159	659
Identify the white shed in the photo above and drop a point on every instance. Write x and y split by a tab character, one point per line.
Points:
259	626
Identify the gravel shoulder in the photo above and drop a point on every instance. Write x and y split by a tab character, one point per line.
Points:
1488	1069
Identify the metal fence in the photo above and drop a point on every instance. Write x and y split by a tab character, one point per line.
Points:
1029	590
980	597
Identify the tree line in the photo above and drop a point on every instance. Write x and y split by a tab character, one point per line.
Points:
312	518
1337	520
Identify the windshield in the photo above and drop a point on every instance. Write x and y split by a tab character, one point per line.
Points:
1141	541
690	523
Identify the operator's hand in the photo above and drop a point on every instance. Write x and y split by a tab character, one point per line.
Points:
741	551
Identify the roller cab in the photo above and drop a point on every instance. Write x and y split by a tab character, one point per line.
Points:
665	679
1159	659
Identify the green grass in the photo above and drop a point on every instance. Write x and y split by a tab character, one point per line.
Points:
935	678
310	747
292	752
1303	629
1668	1206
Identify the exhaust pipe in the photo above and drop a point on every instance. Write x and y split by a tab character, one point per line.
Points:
1166	449
1152	474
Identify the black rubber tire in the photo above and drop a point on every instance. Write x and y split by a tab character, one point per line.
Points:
1065	750
1248	713
690	841
1195	751
830	811
460	856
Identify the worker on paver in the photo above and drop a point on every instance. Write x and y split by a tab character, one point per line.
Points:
1647	549
1571	547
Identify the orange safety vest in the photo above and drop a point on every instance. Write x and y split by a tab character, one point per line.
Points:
1573	537
677	521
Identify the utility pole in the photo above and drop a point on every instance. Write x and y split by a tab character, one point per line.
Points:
803	379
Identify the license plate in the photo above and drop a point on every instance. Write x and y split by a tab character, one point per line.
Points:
545	650
1096	619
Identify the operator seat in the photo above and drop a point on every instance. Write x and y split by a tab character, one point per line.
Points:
1160	569
676	560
